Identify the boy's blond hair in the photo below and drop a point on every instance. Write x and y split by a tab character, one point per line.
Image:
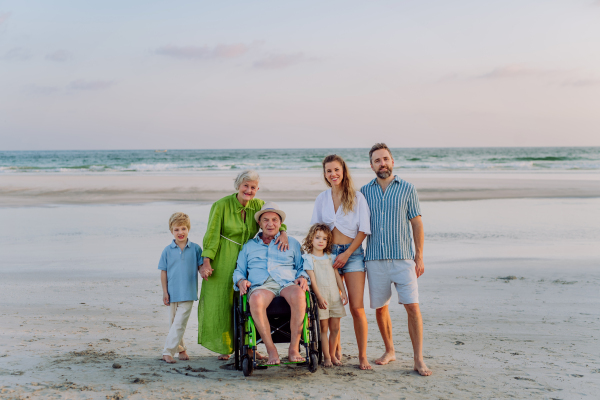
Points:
179	219
307	243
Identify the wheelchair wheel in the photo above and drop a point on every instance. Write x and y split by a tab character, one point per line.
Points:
247	366
313	363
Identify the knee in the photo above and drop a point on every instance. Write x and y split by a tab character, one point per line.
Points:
256	302
412	309
357	311
382	311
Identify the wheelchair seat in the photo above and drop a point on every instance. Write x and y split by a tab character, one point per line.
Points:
279	307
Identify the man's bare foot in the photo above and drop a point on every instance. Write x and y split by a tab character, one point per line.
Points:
386	358
183	356
224	357
422	369
294	355
327	363
260	356
273	357
364	363
336	362
169	359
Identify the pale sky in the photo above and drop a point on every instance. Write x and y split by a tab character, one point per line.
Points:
235	74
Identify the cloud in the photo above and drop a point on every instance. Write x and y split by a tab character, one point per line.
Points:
16	53
515	71
280	61
221	51
3	17
81	84
58	56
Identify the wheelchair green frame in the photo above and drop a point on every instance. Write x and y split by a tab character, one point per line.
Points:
246	338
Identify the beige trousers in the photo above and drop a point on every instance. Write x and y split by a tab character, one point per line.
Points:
179	313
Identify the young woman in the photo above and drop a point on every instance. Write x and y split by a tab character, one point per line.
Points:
345	211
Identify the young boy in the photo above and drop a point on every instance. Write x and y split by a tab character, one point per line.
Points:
179	264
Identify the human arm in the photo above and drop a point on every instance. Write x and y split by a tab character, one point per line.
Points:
243	285
313	285
419	237
299	265
212	239
240	273
414	215
282	241
342	258
163	281
340	284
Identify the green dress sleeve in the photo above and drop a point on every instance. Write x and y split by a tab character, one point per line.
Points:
212	237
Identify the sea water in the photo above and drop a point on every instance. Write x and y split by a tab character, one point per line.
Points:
189	161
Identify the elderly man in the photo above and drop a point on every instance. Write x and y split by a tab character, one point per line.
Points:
268	272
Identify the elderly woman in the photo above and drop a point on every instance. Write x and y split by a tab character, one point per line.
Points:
231	224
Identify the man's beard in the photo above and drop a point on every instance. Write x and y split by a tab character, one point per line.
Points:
384	174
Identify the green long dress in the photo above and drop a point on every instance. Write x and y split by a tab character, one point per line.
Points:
215	319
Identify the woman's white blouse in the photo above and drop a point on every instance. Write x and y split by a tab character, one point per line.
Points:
349	224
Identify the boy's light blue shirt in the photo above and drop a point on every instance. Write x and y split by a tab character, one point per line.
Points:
257	261
182	270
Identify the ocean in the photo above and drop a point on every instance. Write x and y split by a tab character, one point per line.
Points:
189	161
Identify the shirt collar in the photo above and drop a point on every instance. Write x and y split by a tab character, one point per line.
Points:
396	179
258	237
174	244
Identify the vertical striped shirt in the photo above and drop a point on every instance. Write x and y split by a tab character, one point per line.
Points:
391	212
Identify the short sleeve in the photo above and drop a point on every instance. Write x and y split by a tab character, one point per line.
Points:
364	214
317	211
162	263
413	208
308	262
200	259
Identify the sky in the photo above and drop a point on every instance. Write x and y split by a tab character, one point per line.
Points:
282	74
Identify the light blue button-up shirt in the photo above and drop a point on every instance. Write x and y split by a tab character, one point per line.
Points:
182	270
391	212
257	261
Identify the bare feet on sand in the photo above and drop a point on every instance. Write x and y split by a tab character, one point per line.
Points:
386	358
364	363
327	363
260	356
336	362
183	356
294	355
273	357
169	359
421	368
224	357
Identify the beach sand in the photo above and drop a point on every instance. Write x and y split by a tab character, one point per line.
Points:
509	300
39	189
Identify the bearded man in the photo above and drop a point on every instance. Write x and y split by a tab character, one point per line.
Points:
390	256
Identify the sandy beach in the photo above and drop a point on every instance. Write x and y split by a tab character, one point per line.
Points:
509	296
39	189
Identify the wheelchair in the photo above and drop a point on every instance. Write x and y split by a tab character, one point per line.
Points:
246	336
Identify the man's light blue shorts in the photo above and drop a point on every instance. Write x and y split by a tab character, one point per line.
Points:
356	262
381	274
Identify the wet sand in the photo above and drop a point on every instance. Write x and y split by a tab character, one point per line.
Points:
39	189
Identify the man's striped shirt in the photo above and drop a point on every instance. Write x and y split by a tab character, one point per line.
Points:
391	212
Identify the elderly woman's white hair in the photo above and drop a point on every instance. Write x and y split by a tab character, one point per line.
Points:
245	176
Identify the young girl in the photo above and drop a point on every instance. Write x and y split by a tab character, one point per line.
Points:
327	285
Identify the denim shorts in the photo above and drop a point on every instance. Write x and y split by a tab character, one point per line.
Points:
356	261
